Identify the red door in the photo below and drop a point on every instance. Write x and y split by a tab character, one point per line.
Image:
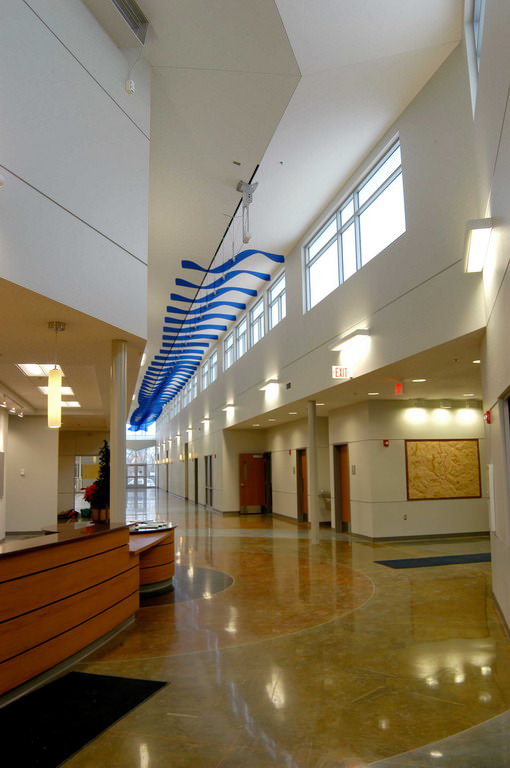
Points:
252	492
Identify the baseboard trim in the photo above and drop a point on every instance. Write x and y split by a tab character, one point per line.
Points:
422	537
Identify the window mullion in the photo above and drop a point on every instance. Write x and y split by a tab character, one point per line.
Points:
339	249
357	232
396	173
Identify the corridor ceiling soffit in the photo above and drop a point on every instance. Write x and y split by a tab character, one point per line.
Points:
448	370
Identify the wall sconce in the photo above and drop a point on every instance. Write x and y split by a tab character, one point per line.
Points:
359	332
270	385
228	406
55	383
477	242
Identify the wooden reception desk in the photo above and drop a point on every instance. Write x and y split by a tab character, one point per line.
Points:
156	553
66	590
61	592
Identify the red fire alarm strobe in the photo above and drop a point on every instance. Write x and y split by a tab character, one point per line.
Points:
487	417
386	443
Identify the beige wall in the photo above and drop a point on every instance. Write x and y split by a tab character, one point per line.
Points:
32	474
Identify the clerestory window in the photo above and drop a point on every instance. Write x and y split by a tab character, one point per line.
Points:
367	221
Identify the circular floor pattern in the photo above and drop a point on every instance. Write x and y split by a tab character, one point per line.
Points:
191	583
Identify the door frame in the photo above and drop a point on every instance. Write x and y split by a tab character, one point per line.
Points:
195	480
341	454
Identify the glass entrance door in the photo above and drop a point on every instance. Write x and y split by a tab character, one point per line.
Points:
137	476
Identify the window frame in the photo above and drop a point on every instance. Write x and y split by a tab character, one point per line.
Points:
279	301
259	321
204	374
342	225
228	350
241	337
213	366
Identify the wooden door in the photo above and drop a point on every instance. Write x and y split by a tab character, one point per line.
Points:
342	488
302	484
252	485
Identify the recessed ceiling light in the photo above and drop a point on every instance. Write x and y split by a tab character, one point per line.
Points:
321	403
64	390
469	394
37	369
292	413
373	394
271	419
70	404
477	362
418	381
255	425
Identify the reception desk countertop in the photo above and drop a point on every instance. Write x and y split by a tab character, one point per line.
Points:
58	534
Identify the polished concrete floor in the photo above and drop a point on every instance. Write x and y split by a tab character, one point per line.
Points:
278	652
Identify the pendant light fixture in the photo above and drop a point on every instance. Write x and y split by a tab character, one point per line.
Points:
55	382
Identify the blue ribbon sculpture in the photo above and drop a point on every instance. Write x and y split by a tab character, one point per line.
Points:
184	342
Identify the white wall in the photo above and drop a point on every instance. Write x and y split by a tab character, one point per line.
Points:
378	489
75	154
413	297
32	474
283	442
419	277
492	126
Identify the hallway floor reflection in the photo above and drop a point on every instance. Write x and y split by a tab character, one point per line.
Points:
314	656
190	583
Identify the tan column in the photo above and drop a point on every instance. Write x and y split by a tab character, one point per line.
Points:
118	431
313	506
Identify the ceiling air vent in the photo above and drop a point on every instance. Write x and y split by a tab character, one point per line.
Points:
123	20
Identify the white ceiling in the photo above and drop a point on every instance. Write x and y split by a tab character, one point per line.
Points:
301	89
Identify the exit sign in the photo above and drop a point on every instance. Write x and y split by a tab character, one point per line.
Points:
340	372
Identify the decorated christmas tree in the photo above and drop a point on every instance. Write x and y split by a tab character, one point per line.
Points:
98	493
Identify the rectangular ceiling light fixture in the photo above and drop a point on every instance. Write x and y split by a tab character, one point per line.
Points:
63	390
477	243
37	369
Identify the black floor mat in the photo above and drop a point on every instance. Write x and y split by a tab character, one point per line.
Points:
48	725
